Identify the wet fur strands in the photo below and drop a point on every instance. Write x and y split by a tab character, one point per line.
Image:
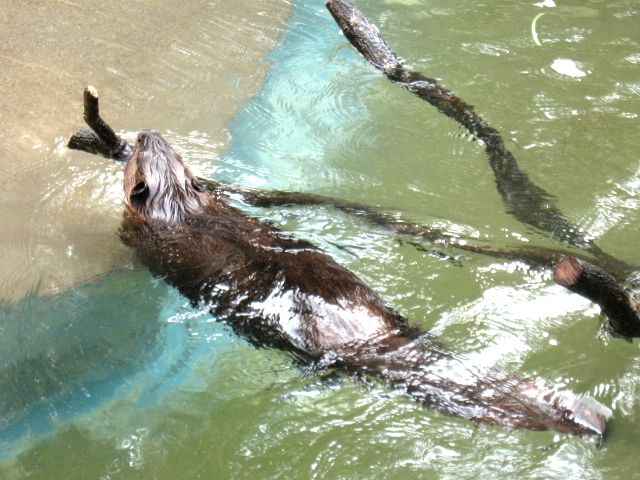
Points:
281	292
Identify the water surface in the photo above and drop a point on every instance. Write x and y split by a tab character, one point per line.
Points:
196	402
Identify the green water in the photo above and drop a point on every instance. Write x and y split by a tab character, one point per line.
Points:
203	404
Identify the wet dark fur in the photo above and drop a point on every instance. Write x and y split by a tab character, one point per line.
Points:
281	292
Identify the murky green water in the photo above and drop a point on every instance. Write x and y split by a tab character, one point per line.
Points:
121	379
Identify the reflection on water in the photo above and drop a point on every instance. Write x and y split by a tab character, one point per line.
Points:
177	396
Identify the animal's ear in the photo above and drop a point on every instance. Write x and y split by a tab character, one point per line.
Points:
197	186
139	188
140	191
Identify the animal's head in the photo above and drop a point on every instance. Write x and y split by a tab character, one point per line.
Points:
158	185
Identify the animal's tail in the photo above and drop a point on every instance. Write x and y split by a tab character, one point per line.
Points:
447	383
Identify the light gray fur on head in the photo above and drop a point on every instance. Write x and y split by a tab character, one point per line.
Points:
157	184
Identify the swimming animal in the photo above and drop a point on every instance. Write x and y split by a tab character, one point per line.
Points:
282	292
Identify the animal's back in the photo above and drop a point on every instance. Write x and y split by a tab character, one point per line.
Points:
273	289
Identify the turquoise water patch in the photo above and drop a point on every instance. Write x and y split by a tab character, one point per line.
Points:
128	335
309	97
